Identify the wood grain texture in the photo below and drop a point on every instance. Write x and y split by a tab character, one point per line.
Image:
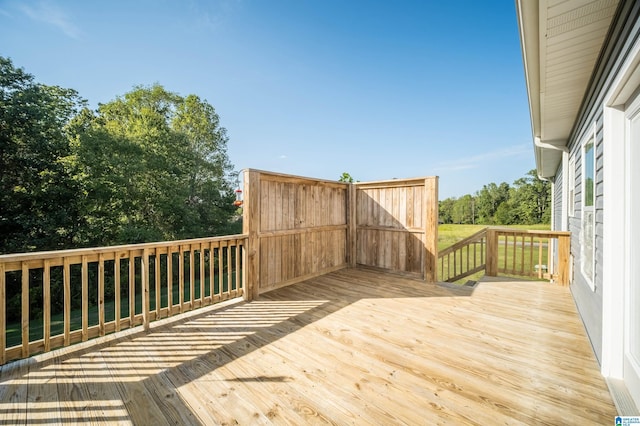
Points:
298	228
396	225
351	347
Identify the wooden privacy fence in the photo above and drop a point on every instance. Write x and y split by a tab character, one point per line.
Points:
302	227
397	225
69	296
295	228
513	252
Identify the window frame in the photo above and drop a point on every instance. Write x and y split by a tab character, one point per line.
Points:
588	212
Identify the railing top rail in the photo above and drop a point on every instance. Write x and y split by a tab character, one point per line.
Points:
418	181
533	232
17	257
295	178
470	239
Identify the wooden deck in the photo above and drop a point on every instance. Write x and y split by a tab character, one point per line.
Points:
351	347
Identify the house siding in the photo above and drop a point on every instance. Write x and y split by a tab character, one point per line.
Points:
557	200
588	300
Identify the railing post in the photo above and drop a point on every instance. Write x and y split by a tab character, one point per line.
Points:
431	229
251	227
564	250
492	253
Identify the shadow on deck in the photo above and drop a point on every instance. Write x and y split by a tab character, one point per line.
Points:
351	347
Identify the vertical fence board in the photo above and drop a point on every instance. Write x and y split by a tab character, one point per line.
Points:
25	310
229	269
202	277
181	277
116	289
144	276
85	298
101	319
157	274
170	280
132	289
46	305
3	316
66	275
192	277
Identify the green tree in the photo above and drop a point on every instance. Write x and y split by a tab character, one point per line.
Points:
37	192
488	199
464	210
445	210
346	177
153	166
532	198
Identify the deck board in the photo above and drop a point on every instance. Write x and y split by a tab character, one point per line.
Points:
352	347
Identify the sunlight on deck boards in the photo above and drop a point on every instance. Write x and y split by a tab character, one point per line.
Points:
351	347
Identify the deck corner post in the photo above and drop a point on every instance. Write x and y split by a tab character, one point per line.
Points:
492	253
251	227
564	250
431	229
352	237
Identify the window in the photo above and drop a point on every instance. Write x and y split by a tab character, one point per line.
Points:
588	211
571	183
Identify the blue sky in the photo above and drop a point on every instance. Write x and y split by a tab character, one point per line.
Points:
379	89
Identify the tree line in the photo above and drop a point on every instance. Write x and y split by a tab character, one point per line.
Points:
527	201
147	166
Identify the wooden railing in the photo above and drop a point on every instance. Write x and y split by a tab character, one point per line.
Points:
528	253
507	251
464	258
63	297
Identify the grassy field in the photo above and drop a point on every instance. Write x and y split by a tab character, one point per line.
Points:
451	234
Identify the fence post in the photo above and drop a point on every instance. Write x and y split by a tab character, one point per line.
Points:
492	253
564	250
431	229
251	227
352	224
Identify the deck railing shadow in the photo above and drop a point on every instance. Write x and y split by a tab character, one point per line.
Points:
99	382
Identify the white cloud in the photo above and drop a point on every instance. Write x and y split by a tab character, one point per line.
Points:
480	160
282	157
49	13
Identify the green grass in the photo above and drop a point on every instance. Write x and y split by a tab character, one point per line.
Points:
450	234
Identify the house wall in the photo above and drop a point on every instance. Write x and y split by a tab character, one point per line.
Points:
588	300
615	51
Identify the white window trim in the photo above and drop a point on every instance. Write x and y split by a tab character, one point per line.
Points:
615	255
571	197
590	138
